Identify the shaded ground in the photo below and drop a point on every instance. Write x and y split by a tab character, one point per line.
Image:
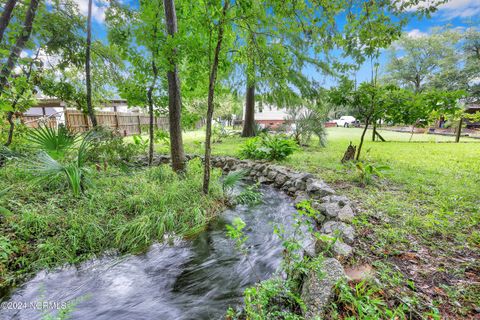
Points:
418	227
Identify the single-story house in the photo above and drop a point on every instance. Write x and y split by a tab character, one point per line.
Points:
270	116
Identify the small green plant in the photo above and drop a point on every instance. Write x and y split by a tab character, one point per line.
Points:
55	142
235	232
251	195
109	147
140	142
220	133
45	168
231	180
161	136
367	171
364	300
268	147
6	249
4	211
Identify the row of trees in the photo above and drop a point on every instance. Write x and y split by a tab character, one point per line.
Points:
427	77
188	54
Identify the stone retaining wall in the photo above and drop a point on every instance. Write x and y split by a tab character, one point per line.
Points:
336	213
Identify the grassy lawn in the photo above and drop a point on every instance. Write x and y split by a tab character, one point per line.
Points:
419	226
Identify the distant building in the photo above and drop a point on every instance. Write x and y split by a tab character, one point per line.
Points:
269	116
54	107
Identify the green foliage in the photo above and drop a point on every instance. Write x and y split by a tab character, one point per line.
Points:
220	132
162	136
6	249
367	171
364	300
140	142
126	211
251	195
55	142
232	179
4	211
269	147
235	232
110	147
46	169
272	299
308	123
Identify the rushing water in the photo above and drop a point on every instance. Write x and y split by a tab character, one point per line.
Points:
196	279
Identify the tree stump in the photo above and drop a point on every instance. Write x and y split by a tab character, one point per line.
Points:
349	153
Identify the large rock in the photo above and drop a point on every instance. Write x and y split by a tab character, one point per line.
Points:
330	209
342	200
300	185
340	229
346	214
341	250
272	174
319	188
317	289
280	180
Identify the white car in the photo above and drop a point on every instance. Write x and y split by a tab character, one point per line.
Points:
345	121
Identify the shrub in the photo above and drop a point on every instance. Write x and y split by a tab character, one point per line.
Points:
55	142
275	147
46	169
109	147
367	171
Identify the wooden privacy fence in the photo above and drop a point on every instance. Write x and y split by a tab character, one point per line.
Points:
126	123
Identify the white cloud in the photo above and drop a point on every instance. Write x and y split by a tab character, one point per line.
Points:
453	8
98	9
460	9
416	33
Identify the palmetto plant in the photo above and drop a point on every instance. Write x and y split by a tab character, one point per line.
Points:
46	168
232	179
55	142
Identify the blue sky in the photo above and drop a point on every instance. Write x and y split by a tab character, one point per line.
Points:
454	13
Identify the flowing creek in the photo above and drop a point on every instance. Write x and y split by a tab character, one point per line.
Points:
195	279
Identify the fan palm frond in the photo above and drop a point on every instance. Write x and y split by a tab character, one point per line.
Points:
231	179
53	141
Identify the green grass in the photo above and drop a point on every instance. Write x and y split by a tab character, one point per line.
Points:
422	219
124	211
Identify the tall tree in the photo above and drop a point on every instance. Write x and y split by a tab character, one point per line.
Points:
88	46
249	118
20	44
414	61
6	15
211	93
174	95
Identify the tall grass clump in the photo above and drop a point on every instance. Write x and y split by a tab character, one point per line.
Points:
268	147
122	211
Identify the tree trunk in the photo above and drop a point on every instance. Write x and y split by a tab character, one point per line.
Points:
211	94
20	44
91	113
374	133
459	130
10	130
174	96
359	150
150	111
6	15
249	124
